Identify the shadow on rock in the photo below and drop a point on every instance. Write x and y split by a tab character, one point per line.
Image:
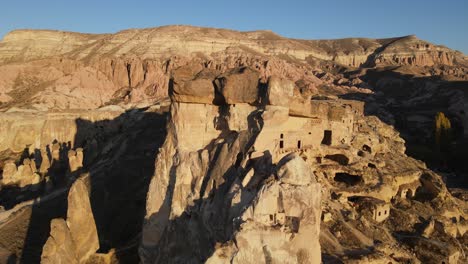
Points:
410	103
119	157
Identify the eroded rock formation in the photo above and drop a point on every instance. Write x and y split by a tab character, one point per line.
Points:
76	239
263	158
238	181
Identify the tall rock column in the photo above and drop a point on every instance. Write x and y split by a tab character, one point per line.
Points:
76	239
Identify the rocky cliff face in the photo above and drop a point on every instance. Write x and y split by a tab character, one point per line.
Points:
182	144
244	179
64	70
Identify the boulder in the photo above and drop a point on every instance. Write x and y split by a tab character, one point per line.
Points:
279	91
238	86
190	87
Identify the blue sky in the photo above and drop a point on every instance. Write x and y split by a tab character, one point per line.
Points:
441	22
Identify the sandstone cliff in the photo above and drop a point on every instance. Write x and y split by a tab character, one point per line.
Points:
239	182
204	145
63	70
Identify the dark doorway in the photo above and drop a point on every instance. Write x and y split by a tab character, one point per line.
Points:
327	137
298	144
281	144
348	179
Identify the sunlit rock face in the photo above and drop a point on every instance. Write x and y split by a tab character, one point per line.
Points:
252	178
208	187
45	69
182	144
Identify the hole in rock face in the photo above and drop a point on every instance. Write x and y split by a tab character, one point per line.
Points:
327	137
298	144
339	158
371	165
348	179
366	148
409	194
354	199
281	144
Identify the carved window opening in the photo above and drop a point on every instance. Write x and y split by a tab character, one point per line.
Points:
327	137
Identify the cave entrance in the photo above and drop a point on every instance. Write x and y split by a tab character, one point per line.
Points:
339	158
348	179
327	137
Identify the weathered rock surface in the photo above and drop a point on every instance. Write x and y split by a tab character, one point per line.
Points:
242	181
37	130
238	86
75	239
60	247
192	87
66	70
260	143
80	220
280	91
6	257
